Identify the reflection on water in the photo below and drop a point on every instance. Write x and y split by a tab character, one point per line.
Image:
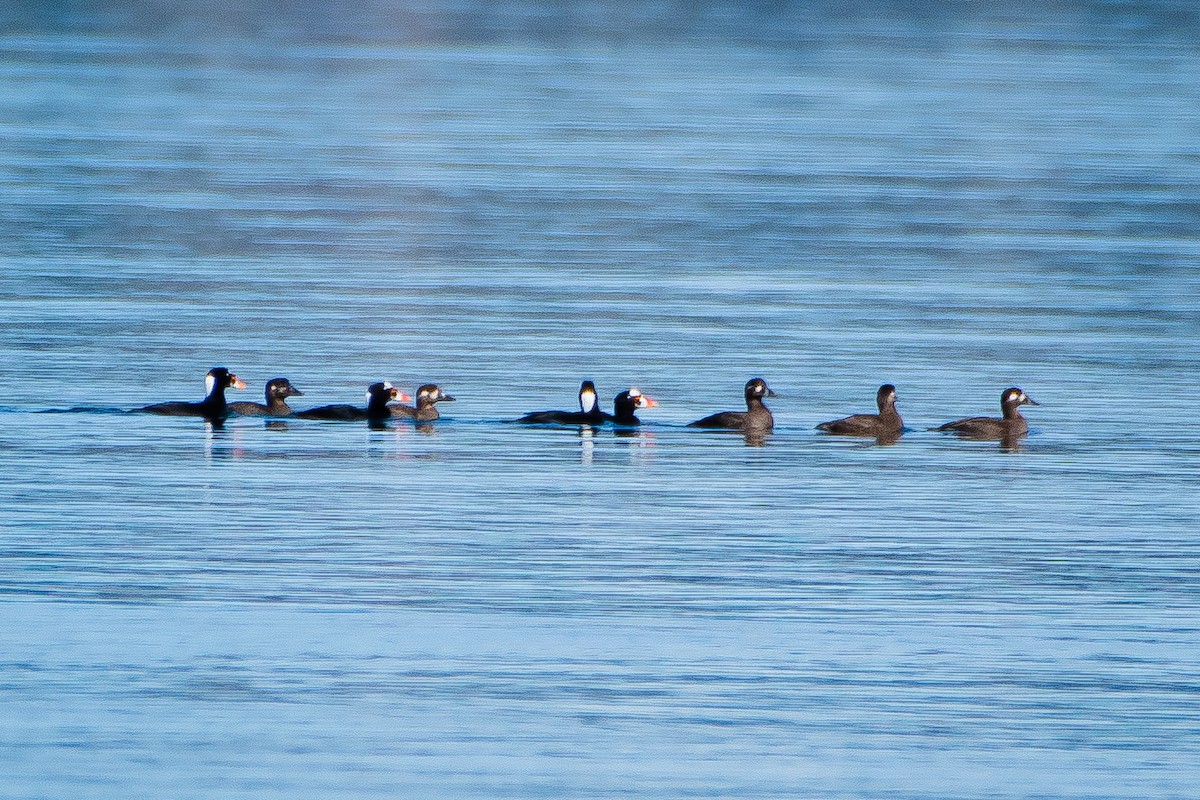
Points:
504	198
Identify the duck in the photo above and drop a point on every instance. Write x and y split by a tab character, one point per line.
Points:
1011	425
277	392
212	407
378	397
425	410
755	419
589	412
886	423
626	404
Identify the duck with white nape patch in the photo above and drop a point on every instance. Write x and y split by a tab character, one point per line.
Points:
212	407
378	397
626	404
589	412
425	410
1012	425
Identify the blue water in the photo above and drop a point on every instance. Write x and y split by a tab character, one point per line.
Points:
506	199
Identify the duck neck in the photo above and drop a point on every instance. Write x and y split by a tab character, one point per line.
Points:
215	402
625	413
1013	412
377	406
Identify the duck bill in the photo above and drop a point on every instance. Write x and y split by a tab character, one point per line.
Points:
403	397
1031	401
238	383
647	402
446	397
771	393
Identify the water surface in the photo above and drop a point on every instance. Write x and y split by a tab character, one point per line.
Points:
506	199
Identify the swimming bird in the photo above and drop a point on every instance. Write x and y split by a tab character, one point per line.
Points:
277	392
755	419
887	423
626	404
425	410
589	412
1011	425
212	407
378	397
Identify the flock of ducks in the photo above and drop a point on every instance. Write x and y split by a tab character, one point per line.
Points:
385	402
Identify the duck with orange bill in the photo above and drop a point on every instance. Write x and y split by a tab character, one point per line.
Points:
378	397
626	404
212	407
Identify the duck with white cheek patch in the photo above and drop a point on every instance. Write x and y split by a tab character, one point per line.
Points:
425	410
1011	425
755	419
887	423
277	392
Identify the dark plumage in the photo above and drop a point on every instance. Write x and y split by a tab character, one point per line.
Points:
589	412
755	419
886	423
1010	426
428	396
626	404
378	397
212	407
277	392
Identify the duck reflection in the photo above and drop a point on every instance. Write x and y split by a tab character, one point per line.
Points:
1012	444
587	444
755	438
221	444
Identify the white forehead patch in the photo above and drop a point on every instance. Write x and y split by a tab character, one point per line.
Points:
634	392
210	381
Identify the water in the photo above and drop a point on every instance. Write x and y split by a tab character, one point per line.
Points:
508	198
